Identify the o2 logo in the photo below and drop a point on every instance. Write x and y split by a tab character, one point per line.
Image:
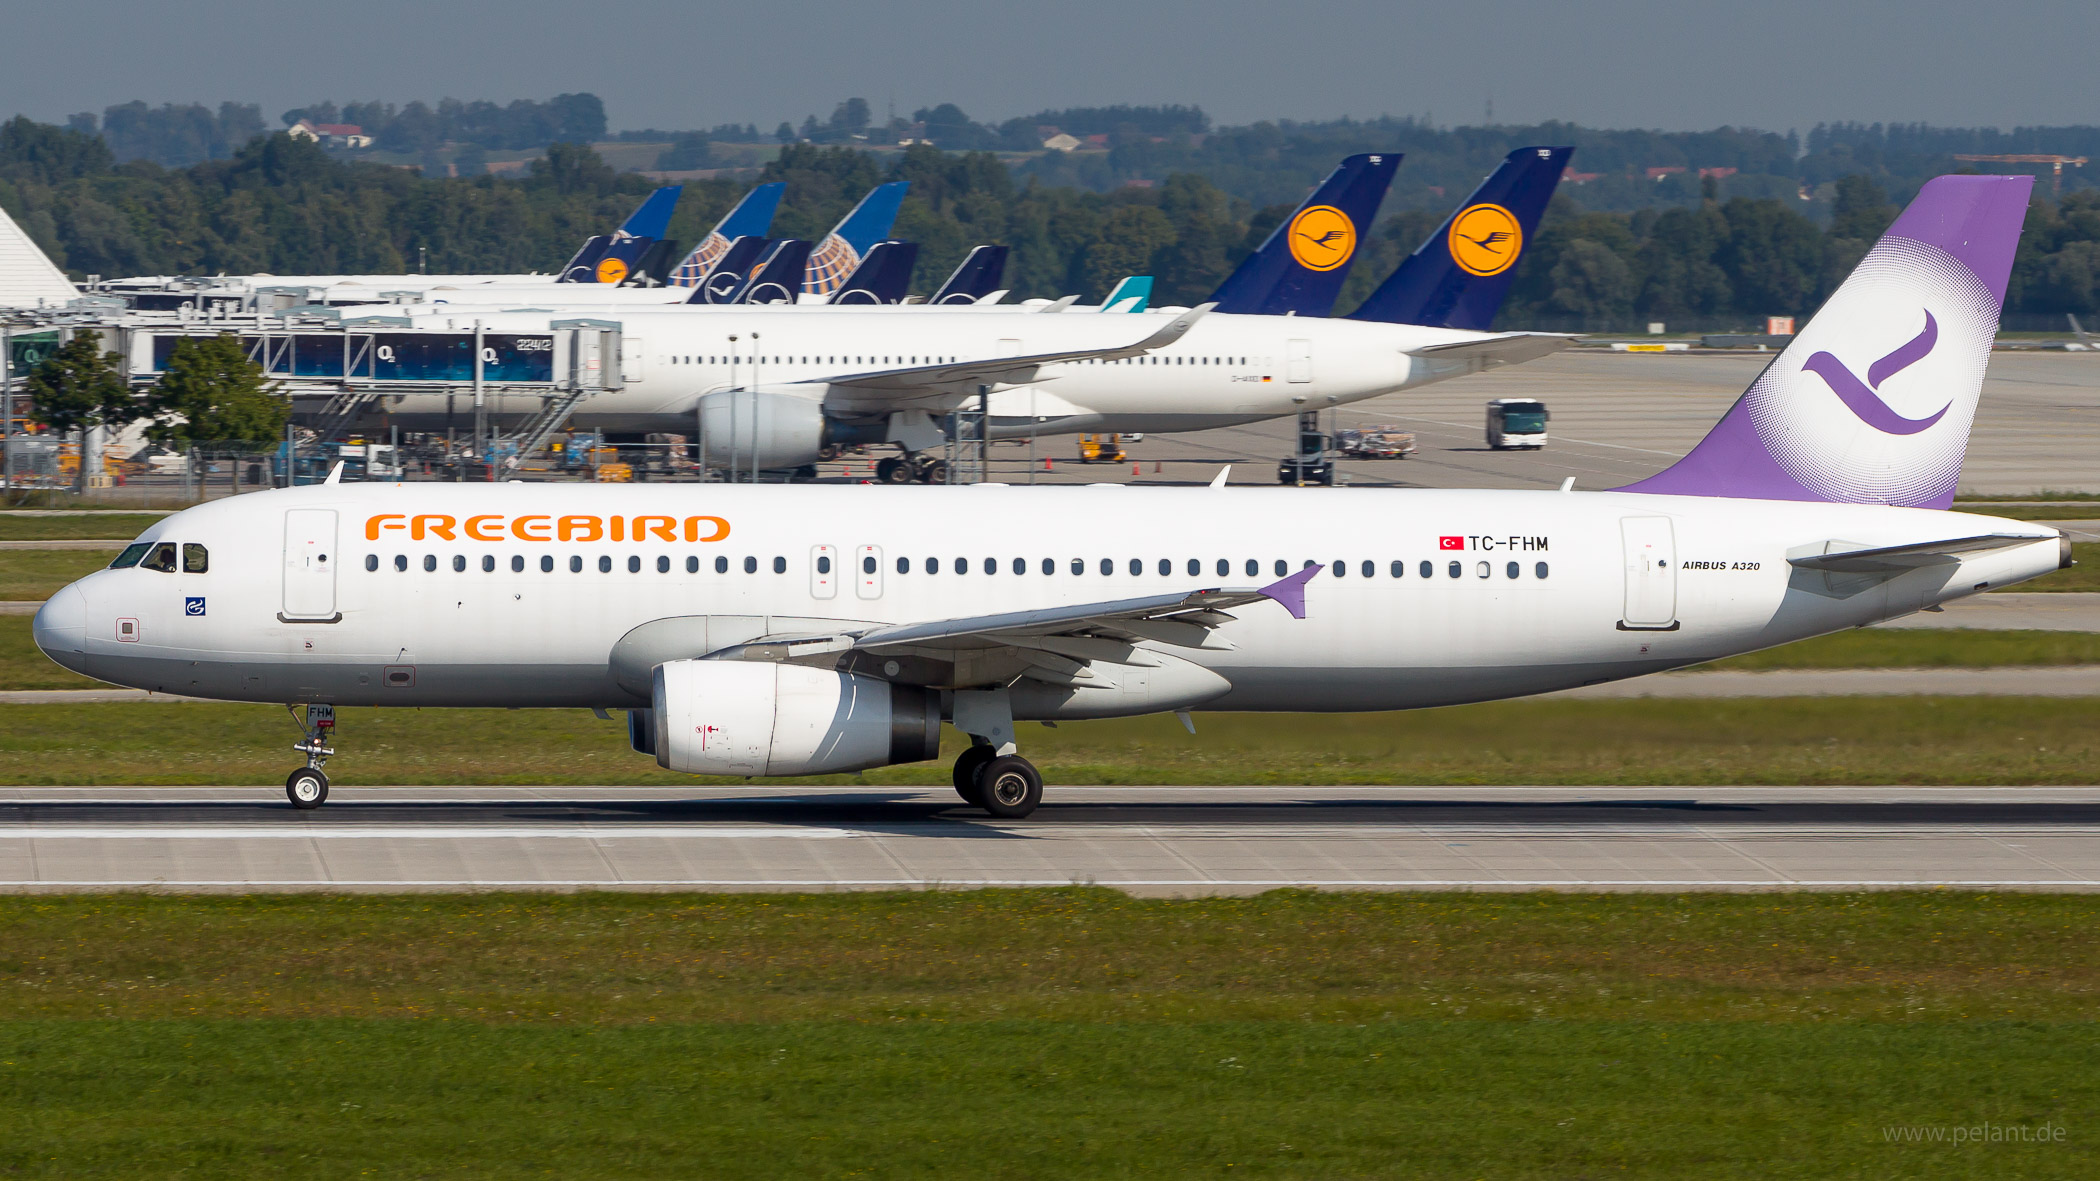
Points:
193	605
386	353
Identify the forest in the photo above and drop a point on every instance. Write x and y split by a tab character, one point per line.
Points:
1721	252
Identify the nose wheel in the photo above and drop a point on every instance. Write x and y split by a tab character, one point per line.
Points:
307	787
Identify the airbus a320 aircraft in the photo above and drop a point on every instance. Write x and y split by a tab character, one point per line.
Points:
755	630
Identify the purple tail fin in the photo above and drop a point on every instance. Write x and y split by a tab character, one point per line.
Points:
1871	403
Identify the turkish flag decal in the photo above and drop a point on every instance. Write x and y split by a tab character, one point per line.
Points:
1451	543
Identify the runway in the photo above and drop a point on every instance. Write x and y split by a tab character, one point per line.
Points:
1145	840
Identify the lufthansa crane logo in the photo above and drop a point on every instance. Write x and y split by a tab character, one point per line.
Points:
612	270
1486	240
1322	238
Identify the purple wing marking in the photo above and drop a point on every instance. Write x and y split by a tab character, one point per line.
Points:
1906	355
1291	591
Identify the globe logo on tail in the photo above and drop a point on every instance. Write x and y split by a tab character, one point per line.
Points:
1322	238
1485	240
1859	396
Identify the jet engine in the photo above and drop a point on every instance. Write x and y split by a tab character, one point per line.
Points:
786	430
733	717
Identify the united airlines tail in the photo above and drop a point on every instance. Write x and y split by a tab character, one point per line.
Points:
27	276
975	277
751	217
1458	277
1300	268
842	249
731	268
611	258
779	275
1871	402
883	276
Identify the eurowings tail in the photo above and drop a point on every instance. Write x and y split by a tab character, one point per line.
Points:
1300	268
611	258
975	277
842	249
751	217
884	276
1872	400
1458	277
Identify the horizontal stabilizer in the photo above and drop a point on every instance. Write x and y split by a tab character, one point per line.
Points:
1898	558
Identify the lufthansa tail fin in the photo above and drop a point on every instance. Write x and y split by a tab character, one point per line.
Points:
28	278
612	258
731	268
842	249
977	276
779	275
751	217
1300	268
1458	277
883	276
1872	400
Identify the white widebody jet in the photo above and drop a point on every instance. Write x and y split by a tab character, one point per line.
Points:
779	384
757	630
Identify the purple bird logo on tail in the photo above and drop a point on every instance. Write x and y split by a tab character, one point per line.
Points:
1860	397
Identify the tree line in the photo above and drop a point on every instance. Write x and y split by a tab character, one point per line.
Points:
285	206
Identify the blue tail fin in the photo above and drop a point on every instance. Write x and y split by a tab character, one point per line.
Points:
883	276
841	250
779	276
1458	277
976	277
1301	266
751	217
1131	295
730	270
612	258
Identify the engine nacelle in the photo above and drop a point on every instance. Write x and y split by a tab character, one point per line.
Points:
788	429
735	717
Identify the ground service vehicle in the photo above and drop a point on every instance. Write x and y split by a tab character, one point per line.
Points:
1517	424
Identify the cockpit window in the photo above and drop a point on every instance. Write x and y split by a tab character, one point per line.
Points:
161	557
195	560
131	555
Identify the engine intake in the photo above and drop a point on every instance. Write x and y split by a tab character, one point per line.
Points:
732	717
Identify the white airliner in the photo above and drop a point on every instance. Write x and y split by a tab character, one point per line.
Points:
805	630
786	382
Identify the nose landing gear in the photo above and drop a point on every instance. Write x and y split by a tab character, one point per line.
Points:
307	787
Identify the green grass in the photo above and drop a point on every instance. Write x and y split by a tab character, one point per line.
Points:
1068	1033
1953	740
2034	512
98	526
1925	648
37	574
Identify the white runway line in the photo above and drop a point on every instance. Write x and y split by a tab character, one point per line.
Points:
1578	883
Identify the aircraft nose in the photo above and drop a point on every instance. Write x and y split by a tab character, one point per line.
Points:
60	627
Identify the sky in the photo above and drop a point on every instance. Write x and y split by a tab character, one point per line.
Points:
1772	64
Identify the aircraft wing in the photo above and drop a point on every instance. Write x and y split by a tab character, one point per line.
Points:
1897	558
1006	370
1055	642
1502	348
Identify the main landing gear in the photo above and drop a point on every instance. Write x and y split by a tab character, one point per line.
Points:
307	787
913	468
991	774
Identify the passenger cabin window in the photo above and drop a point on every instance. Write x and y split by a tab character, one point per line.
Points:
371	561
430	562
517	563
401	563
161	557
547	563
1428	569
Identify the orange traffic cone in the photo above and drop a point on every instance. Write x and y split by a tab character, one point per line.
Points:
1134	470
